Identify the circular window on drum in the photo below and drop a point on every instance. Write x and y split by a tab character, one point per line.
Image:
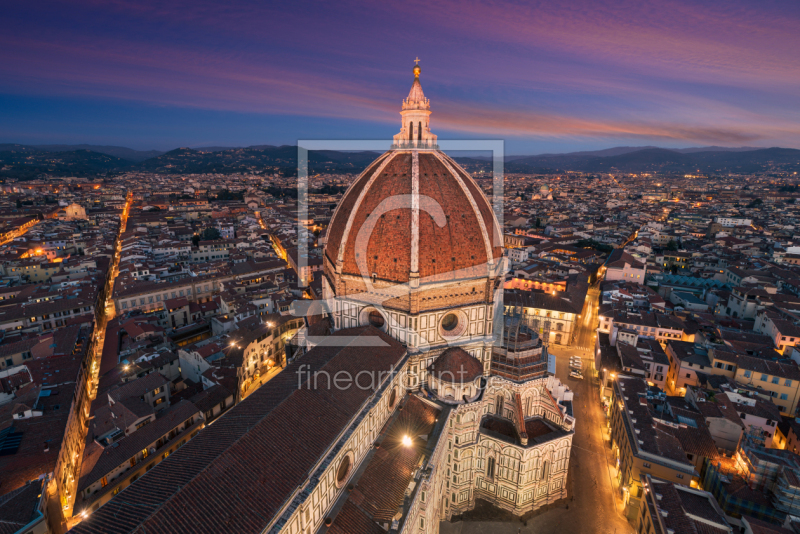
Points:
376	319
393	398
450	322
453	324
344	470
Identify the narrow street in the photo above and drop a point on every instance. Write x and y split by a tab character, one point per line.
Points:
104	315
594	502
587	322
108	308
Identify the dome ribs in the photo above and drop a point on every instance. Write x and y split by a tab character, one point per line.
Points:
390	239
461	236
485	208
345	207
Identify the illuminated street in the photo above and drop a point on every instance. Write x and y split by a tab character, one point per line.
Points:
108	308
587	323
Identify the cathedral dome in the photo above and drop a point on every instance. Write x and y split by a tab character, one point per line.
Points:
414	213
456	366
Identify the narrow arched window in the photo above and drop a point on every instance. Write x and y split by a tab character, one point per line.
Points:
419	131
410	131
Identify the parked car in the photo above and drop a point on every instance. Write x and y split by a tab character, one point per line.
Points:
575	374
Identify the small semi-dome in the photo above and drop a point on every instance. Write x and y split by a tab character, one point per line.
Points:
456	366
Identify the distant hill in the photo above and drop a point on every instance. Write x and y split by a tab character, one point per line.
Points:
281	159
620	150
716	149
27	162
115	151
215	148
665	161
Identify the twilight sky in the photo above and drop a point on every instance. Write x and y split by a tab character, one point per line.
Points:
545	76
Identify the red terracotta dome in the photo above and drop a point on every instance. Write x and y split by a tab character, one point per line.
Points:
413	214
414	211
456	366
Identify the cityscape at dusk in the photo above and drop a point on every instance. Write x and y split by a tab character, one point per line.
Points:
419	268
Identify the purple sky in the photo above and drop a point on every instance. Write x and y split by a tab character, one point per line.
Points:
542	76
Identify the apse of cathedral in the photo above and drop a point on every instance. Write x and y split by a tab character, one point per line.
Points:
460	406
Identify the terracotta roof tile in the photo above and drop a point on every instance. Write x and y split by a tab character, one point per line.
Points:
235	475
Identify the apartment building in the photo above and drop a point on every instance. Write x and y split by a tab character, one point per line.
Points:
151	296
670	507
622	266
650	325
110	468
779	380
780	326
640	446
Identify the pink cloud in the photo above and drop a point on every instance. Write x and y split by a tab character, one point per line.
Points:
628	65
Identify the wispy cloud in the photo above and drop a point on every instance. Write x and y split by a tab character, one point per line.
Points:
521	123
726	73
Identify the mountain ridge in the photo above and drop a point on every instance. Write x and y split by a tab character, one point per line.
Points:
27	162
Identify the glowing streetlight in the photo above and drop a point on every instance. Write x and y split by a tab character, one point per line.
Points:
407	442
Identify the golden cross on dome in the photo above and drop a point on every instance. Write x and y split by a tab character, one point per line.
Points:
416	61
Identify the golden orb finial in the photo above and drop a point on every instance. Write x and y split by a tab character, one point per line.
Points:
416	68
